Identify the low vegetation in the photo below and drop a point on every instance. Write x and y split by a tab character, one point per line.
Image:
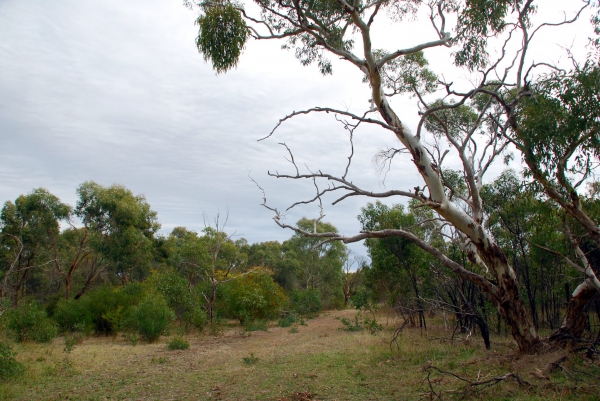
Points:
318	362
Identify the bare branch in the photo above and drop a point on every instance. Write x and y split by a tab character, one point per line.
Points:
328	110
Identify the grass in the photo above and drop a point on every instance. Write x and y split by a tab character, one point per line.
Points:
318	360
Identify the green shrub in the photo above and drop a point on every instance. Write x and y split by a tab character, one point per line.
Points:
256	325
73	315
306	302
196	317
178	343
71	340
99	311
184	302
372	326
9	367
252	297
288	320
349	325
250	360
150	317
29	321
361	299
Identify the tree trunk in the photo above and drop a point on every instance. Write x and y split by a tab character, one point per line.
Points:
573	323
514	313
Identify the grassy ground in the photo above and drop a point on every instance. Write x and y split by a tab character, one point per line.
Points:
318	362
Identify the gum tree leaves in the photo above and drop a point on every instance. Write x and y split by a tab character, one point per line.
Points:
222	35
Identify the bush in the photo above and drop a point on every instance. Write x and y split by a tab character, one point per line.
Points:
9	367
178	343
287	320
306	302
253	297
99	311
29	321
73	315
180	299
150	317
256	325
361	299
349	325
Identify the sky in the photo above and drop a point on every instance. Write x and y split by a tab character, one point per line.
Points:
116	92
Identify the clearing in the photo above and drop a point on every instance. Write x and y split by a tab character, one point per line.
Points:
313	362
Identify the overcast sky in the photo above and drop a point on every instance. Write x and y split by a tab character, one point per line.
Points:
115	91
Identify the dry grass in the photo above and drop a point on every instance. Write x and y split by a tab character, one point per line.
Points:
318	362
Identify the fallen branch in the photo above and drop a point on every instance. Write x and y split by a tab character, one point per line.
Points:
470	386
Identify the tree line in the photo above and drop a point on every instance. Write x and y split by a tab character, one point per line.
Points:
86	265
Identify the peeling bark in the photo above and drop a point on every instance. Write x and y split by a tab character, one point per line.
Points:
573	323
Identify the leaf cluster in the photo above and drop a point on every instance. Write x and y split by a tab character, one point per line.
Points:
222	35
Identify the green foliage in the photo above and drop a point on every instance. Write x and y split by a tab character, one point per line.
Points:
288	320
451	119
408	74
73	315
562	119
362	299
178	343
222	35
150	317
179	297
187	254
250	360
108	305
29	322
256	325
372	326
71	340
318	267
29	227
121	227
9	367
350	325
477	21
399	268
306	302
359	324
254	296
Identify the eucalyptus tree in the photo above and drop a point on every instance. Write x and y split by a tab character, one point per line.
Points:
29	228
224	259
188	254
397	264
118	231
466	125
557	130
317	265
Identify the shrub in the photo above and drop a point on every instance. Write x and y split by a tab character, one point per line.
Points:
288	320
71	340
73	315
361	299
250	360
9	367
306	302
99	311
150	317
196	317
252	297
29	321
256	325
349	325
180	299
178	343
